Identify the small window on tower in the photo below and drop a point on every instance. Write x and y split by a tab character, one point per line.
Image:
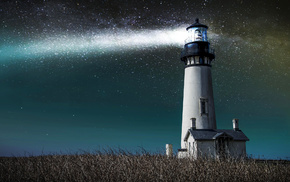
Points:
205	60
198	35
190	60
201	60
203	106
196	59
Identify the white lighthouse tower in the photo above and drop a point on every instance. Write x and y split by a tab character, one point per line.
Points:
198	103
199	135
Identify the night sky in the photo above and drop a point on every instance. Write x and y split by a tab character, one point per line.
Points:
87	75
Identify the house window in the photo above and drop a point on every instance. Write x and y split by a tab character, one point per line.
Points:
203	106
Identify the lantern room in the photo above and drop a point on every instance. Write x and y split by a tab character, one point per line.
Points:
197	49
196	32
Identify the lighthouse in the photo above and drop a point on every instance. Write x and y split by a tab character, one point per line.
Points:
199	133
198	103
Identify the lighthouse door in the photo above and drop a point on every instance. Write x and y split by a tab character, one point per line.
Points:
222	146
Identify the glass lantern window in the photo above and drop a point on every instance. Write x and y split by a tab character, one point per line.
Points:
196	34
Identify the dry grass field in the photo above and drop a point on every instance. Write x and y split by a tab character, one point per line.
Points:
124	166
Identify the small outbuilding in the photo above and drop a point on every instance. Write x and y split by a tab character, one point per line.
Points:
214	143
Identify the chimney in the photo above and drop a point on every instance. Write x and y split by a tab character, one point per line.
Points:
236	124
193	123
169	151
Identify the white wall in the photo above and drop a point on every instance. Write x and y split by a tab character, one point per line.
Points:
201	148
182	154
197	84
207	149
237	149
192	148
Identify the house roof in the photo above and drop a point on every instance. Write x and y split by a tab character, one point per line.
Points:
213	134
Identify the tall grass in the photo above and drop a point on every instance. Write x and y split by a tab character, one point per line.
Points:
125	166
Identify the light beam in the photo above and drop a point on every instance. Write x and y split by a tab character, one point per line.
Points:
98	43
